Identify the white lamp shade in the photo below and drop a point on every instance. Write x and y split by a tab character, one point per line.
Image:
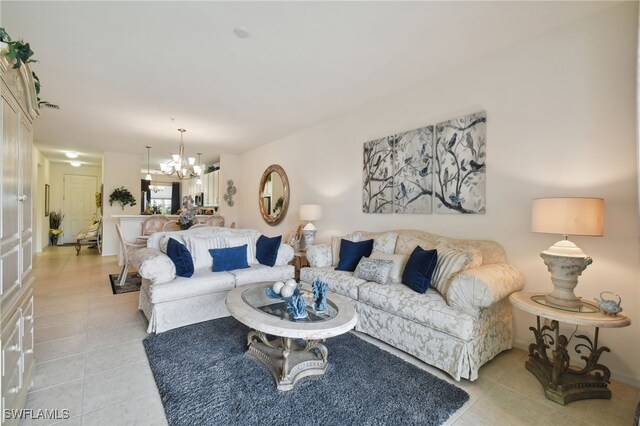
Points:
568	216
310	212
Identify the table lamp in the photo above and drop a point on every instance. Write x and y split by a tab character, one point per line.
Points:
566	261
310	212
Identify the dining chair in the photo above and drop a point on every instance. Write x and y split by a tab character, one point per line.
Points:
153	224
126	248
171	225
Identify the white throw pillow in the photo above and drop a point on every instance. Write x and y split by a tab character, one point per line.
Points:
399	261
250	241
451	260
199	245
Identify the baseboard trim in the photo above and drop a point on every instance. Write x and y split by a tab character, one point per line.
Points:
615	374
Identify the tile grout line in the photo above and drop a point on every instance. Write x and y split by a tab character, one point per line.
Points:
120	402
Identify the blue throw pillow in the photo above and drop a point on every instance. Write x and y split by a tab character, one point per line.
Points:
419	269
230	258
267	249
180	256
351	253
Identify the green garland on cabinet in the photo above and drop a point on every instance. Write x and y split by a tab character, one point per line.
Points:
20	53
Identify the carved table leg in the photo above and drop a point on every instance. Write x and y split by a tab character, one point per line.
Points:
286	359
563	383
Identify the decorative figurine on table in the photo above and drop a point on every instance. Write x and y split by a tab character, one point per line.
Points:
296	306
290	293
282	290
319	288
608	306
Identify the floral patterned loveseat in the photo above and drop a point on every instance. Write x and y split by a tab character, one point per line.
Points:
456	332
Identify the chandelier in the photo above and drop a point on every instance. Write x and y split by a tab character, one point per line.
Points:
180	166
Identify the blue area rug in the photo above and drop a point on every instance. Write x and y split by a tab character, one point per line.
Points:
204	378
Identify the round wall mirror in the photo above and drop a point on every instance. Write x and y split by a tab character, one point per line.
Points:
273	194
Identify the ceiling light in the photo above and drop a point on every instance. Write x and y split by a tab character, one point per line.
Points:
241	32
180	166
75	163
71	154
148	177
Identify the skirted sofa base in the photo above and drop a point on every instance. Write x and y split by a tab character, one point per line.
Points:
171	314
459	357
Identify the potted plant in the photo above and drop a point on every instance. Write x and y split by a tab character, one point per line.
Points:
122	196
55	221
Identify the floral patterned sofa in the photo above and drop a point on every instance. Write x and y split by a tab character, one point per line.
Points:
456	332
169	301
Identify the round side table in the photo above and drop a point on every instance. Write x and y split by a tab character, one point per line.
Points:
549	358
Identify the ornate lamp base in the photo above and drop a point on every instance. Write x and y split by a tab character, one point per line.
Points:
562	383
286	359
564	276
309	237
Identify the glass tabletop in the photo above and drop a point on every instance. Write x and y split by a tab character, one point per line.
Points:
586	307
257	298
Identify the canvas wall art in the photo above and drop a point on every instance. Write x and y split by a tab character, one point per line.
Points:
413	171
441	167
377	180
460	166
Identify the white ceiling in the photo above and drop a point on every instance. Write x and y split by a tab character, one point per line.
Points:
120	70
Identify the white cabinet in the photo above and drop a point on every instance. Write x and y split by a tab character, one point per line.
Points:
19	109
210	188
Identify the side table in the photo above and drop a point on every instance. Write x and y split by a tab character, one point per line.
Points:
299	261
562	382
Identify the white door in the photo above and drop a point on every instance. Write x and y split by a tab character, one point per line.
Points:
79	204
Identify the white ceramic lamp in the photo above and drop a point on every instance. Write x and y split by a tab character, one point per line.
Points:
310	212
566	261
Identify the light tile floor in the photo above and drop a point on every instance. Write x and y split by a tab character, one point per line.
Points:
92	362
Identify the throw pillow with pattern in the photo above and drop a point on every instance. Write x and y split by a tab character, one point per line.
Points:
376	270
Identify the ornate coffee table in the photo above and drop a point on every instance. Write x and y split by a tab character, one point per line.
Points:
297	348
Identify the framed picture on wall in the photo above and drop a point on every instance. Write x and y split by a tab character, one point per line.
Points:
46	199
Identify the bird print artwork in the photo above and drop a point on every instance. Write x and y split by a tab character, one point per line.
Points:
445	178
469	144
452	142
377	190
439	168
460	165
476	167
412	172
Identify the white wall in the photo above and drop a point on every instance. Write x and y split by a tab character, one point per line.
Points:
41	171
230	170
561	122
118	170
56	181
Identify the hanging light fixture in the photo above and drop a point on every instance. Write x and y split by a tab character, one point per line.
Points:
200	168
148	177
154	188
180	166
